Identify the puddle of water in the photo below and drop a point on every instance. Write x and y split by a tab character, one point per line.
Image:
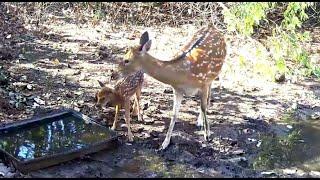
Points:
299	148
61	135
310	134
146	164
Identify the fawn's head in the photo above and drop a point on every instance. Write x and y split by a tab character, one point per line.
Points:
133	58
104	96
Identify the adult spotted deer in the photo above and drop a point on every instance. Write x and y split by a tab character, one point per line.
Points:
191	72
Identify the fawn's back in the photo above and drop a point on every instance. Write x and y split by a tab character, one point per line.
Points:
128	85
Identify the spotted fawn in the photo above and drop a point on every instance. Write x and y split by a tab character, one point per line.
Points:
120	95
189	73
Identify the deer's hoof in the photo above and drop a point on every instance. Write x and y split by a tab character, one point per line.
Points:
164	145
130	139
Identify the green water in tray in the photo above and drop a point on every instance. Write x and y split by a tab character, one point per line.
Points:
63	134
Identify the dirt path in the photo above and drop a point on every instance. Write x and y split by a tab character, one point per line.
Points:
60	68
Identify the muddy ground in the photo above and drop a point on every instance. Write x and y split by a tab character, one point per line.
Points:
59	67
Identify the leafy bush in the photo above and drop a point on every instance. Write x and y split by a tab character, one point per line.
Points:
286	41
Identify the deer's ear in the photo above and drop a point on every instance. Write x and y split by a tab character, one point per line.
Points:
144	38
146	46
101	83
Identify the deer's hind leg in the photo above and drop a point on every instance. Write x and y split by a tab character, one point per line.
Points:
200	119
128	119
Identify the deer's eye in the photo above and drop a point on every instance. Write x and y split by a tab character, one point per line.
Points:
126	61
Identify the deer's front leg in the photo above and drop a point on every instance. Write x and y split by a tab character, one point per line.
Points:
176	106
137	102
204	104
116	117
127	118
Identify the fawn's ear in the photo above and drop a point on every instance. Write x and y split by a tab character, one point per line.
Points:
144	38
145	42
146	46
101	84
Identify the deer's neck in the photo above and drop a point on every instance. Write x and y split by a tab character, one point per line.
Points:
163	71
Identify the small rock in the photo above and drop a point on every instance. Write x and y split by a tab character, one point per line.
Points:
252	140
21	56
11	94
289	171
152	109
289	127
315	115
238	152
268	173
144	135
123	125
77	72
145	106
294	106
148	121
280	78
69	95
39	101
259	143
29	87
12	103
23	78
139	129
168	90
35	105
154	133
78	93
47	95
242	161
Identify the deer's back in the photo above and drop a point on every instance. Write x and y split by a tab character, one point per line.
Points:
204	55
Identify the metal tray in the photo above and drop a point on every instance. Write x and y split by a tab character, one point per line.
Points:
61	155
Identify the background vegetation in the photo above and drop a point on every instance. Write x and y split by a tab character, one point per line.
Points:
281	29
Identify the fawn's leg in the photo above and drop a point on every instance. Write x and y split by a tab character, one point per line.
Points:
200	117
116	117
136	106
127	118
204	104
176	106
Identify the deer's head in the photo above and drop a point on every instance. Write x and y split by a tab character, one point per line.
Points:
104	96
135	56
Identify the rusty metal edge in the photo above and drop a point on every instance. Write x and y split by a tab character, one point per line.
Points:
49	160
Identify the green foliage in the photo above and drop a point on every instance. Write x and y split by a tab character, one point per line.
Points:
286	42
294	15
245	16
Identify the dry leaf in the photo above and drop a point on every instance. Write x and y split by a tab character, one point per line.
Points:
56	61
